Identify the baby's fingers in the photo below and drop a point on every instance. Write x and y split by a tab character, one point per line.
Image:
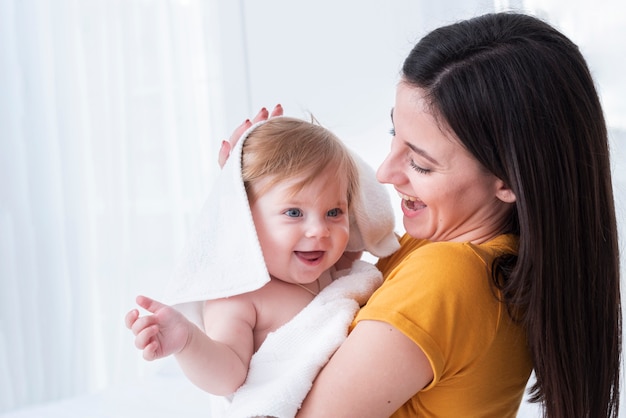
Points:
130	318
148	342
146	337
150	352
148	304
142	323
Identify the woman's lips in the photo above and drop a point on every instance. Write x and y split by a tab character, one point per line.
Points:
410	204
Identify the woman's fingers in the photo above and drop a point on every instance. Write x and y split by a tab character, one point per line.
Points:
227	146
277	111
262	115
224	153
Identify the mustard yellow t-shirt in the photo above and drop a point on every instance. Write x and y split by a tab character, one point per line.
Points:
439	294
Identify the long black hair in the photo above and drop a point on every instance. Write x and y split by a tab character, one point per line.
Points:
520	97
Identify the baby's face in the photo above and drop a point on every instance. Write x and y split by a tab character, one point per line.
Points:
302	234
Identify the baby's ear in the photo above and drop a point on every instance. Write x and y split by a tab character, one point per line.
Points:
504	193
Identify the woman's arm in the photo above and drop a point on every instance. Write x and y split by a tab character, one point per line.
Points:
374	372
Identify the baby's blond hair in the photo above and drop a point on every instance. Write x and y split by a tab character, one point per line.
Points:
284	148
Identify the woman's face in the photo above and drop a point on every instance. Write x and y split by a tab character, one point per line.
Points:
446	195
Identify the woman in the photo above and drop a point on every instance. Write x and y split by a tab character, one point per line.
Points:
510	259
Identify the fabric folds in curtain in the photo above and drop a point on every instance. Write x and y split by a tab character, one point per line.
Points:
105	136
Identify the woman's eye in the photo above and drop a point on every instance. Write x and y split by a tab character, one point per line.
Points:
333	213
418	168
293	213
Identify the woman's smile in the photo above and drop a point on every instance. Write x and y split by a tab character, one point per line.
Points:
446	194
411	205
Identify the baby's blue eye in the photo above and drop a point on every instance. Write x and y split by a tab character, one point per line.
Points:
333	213
392	131
293	212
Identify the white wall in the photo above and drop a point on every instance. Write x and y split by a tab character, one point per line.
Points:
337	60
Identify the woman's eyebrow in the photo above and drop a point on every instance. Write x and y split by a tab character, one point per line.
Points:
421	152
416	149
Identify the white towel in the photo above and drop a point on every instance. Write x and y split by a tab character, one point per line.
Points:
224	258
283	369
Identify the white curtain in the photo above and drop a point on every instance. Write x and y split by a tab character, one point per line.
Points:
105	150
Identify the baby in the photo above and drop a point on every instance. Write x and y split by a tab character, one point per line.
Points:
301	185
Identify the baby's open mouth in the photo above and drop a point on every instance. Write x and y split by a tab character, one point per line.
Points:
310	255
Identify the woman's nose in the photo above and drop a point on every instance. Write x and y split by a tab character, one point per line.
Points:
387	169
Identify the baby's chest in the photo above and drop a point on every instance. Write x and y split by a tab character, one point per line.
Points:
276	309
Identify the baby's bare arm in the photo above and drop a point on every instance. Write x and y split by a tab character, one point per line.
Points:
217	359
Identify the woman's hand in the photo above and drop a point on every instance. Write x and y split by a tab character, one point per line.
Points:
227	146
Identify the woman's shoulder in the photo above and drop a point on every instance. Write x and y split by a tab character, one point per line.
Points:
461	253
433	283
423	254
436	284
445	268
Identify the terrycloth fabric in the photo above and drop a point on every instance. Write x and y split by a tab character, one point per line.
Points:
371	216
283	369
224	257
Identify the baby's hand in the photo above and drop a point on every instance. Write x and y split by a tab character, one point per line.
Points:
165	332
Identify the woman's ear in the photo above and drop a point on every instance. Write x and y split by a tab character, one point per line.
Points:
504	193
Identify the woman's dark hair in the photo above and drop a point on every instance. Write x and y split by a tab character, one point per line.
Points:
519	96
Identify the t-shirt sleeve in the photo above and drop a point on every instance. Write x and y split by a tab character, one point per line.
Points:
441	298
